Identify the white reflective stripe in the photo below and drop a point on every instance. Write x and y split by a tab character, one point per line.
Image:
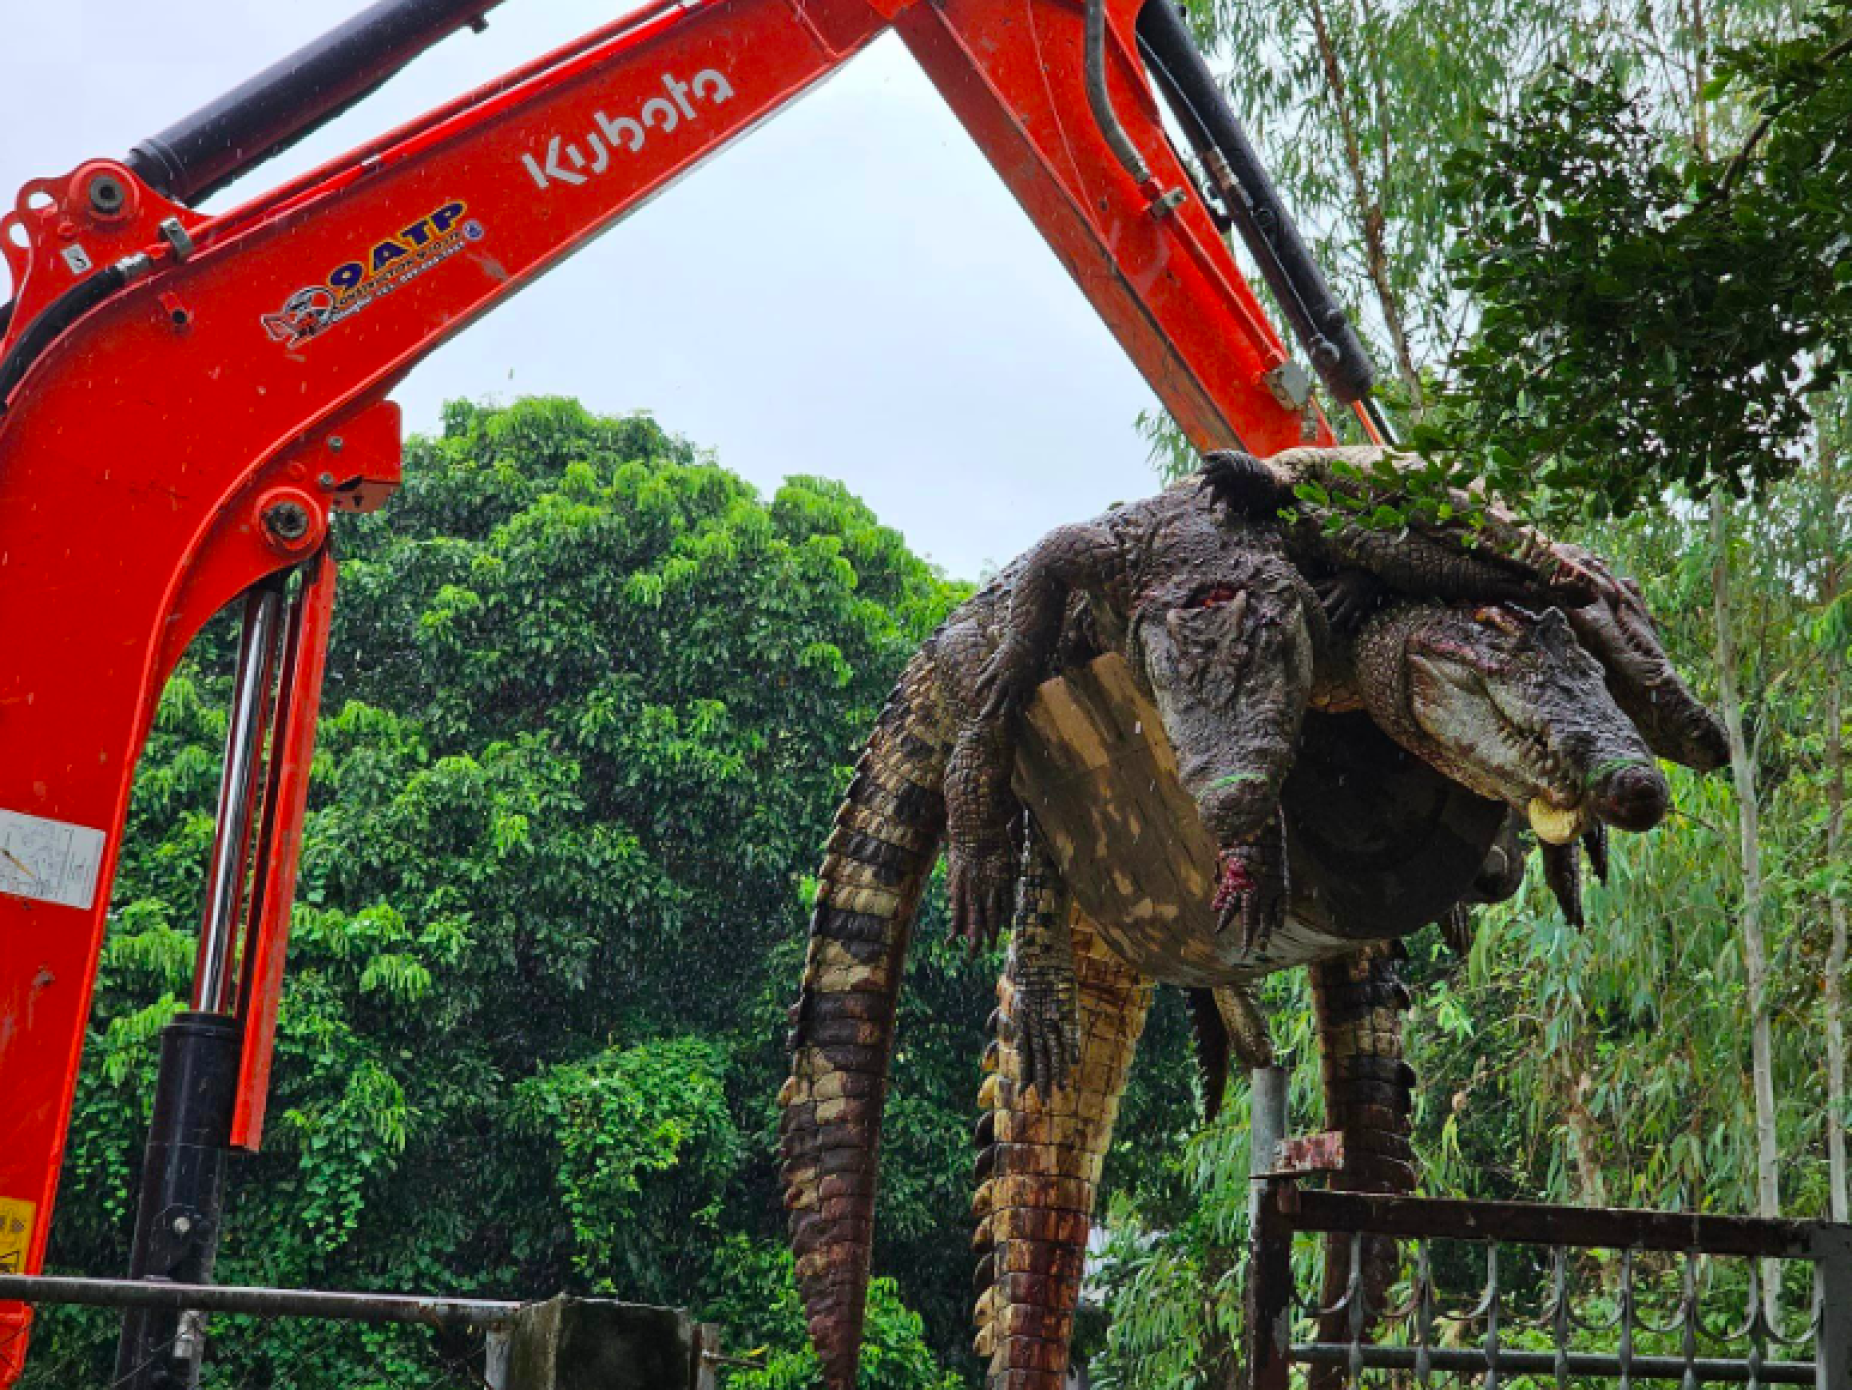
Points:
48	860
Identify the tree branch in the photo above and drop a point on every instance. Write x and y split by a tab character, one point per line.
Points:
1739	162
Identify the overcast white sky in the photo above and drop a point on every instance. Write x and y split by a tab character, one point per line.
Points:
850	291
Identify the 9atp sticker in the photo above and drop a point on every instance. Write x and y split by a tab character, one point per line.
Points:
389	264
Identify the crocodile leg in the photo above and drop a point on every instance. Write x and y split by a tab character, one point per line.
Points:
1045	1010
1369	1096
981	811
987	675
1039	1160
842	1027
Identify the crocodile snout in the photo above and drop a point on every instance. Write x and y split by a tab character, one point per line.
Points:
1632	797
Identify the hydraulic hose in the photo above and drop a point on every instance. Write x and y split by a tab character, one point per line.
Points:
1253	204
1099	100
60	314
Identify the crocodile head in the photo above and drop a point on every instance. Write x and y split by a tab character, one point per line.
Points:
1508	703
1620	632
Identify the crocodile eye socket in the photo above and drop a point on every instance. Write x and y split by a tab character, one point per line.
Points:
1214	597
1503	619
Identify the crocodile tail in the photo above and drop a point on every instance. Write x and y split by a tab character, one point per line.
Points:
880	854
1210	1035
1038	1167
1360	1002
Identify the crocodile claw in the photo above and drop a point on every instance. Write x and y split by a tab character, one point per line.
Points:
1348	598
982	889
1252	890
1576	582
1456	929
1047	1032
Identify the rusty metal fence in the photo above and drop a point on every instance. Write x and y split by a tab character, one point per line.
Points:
1553	1294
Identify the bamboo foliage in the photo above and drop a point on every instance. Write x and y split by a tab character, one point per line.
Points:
1356	104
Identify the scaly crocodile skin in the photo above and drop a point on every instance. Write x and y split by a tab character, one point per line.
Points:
1210	597
1039	1162
1047	1004
879	857
1360	1003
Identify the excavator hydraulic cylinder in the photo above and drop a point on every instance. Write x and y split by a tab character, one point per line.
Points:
1256	210
182	1197
221	141
183	1175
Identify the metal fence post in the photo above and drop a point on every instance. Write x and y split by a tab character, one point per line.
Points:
1270	1239
1832	1254
497	1351
596	1344
1266	1125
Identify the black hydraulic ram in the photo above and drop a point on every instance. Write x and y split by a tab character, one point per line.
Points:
182	1197
194	159
1251	202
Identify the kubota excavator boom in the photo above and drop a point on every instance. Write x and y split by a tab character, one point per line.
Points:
186	398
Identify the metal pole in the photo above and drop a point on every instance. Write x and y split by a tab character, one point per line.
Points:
214	987
183	1173
1832	1272
256	1302
1270	1238
497	1354
1266	1121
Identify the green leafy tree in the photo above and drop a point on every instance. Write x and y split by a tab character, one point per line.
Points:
1356	103
1653	311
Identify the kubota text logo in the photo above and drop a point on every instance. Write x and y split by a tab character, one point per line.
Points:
392	262
565	162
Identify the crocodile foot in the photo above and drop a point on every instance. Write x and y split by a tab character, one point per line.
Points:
1252	888
1349	597
981	885
1047	1025
1008	676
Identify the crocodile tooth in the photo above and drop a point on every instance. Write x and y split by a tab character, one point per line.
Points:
1562	870
1554	825
1595	843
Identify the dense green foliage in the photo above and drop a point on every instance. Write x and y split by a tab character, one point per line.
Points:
1654	311
591	706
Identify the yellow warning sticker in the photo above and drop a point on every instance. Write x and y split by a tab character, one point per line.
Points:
15	1234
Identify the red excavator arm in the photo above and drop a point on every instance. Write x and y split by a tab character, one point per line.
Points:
186	398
